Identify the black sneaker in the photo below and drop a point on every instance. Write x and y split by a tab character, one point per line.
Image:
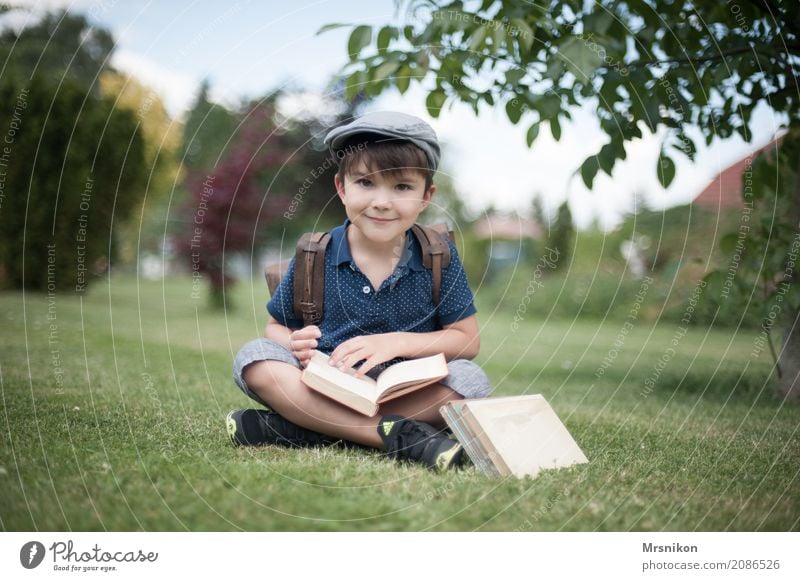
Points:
419	442
260	427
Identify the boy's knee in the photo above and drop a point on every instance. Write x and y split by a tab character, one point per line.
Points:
467	378
260	350
251	366
267	381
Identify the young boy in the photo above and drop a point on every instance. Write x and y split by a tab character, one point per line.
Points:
378	308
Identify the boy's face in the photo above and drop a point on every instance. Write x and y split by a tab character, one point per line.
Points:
383	205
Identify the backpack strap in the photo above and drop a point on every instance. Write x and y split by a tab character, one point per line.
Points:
309	276
435	254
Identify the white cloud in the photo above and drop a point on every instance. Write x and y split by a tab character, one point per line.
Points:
178	89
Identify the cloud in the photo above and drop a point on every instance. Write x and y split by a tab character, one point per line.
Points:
178	89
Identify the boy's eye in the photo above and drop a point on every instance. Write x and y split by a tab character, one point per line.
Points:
364	182
403	187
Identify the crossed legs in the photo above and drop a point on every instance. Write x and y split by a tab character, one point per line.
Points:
278	384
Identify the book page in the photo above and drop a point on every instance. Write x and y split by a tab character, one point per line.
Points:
366	387
412	372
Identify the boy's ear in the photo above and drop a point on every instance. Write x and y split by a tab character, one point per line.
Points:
337	181
428	196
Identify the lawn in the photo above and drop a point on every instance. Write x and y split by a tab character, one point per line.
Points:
113	407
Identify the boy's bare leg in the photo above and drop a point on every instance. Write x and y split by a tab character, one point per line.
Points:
279	385
422	405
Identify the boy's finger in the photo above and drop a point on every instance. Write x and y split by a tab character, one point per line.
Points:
367	366
350	360
348	347
303	344
311	331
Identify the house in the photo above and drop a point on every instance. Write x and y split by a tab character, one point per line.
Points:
725	190
507	237
507	226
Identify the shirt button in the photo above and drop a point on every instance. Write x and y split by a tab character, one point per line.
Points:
366	290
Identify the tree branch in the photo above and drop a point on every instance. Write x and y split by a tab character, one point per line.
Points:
699	59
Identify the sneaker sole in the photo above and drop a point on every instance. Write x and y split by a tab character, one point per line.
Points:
230	426
449	458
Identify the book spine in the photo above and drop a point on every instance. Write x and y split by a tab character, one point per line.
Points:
459	429
484	442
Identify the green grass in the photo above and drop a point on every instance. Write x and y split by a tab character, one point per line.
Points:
131	436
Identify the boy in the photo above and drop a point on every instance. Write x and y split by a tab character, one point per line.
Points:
377	308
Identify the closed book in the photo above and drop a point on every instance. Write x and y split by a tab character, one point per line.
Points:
518	435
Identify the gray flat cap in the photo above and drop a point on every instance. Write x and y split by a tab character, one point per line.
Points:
392	125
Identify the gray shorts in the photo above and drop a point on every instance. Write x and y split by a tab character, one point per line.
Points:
465	377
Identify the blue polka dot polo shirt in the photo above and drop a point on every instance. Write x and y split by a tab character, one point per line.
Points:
403	302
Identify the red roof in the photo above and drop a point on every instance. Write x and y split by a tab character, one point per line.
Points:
725	190
507	227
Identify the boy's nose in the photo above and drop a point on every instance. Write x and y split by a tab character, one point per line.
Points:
381	199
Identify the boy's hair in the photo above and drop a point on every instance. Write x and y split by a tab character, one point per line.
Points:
379	154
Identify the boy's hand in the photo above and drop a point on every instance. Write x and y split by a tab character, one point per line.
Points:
303	342
375	349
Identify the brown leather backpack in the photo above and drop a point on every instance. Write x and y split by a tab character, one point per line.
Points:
309	270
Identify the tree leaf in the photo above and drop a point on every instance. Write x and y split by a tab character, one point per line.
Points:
589	169
359	38
328	27
403	79
514	110
385	70
354	84
579	58
514	76
665	169
385	36
608	156
477	38
524	33
555	128
434	102
533	133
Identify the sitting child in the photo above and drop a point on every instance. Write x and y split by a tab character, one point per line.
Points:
378	308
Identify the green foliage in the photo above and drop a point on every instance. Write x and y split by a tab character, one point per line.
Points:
207	132
73	170
474	254
646	65
762	252
562	236
62	45
73	166
253	179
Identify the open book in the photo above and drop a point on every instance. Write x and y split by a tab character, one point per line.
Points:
519	435
364	394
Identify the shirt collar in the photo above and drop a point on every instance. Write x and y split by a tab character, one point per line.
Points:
340	249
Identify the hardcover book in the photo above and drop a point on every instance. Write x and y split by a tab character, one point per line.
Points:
519	435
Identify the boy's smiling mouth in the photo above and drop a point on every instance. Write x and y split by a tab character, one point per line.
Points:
381	220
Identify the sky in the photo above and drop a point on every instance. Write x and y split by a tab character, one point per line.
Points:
247	48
